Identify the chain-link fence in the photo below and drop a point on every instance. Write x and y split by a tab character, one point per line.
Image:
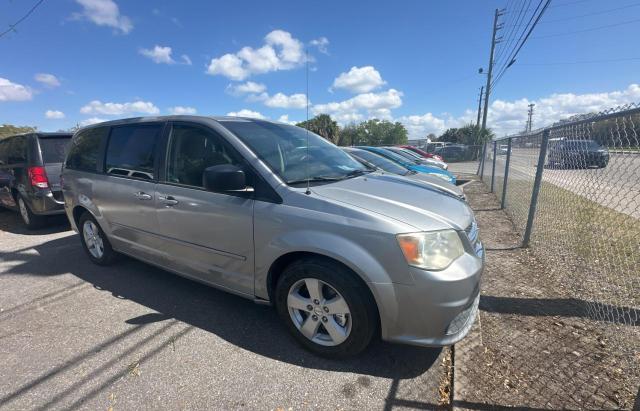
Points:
572	191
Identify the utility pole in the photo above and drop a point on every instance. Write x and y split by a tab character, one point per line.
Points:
494	41
479	106
530	123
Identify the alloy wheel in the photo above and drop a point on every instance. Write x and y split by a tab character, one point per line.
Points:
319	312
93	239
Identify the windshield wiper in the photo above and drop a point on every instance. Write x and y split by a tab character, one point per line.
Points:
356	173
315	180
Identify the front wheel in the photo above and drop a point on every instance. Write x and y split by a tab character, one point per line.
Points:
95	242
326	309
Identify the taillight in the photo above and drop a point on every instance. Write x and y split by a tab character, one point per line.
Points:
38	177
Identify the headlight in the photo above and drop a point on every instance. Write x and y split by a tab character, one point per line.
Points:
434	250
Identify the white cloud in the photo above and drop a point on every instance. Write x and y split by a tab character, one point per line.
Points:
92	120
371	102
10	91
47	79
321	43
104	13
281	51
510	117
179	110
114	109
280	100
359	80
506	117
249	87
246	113
418	126
162	55
159	54
285	119
54	114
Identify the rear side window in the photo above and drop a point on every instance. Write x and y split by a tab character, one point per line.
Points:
53	149
4	147
17	150
84	149
131	150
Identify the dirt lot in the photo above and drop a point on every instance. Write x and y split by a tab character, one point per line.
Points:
77	336
536	345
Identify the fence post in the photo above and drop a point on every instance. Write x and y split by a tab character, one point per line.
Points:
493	167
536	188
481	165
506	175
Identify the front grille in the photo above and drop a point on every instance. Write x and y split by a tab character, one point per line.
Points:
461	320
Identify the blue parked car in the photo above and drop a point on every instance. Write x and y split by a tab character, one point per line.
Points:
396	158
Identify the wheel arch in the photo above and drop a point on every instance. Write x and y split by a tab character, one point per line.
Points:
279	265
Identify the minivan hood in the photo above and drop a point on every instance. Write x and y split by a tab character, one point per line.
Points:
400	199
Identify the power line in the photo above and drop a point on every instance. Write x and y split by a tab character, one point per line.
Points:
565	4
591	14
512	33
512	58
12	27
586	30
561	63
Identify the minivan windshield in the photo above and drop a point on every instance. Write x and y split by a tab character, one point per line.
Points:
54	149
284	149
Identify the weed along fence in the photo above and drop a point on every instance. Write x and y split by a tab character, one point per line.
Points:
572	191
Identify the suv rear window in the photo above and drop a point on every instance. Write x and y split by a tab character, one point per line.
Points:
53	149
131	150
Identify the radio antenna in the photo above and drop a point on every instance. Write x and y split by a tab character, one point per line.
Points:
306	58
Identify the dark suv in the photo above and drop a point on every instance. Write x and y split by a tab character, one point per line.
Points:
565	153
30	167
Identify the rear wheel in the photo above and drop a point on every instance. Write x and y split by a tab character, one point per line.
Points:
32	221
94	241
326	308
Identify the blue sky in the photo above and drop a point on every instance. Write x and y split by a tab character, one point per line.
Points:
78	61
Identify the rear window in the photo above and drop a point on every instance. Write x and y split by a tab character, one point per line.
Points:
54	149
131	150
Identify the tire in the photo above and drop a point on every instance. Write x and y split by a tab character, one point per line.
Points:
30	220
335	281
94	242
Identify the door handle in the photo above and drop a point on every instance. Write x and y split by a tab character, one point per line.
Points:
141	195
168	200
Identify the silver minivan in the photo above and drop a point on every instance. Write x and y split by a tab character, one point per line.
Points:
277	214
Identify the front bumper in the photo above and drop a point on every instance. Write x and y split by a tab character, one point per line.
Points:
438	310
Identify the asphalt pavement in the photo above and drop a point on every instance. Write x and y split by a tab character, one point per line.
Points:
77	336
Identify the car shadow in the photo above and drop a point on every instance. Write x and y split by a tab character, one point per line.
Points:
11	223
252	327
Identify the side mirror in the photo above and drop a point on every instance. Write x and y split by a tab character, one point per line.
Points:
224	177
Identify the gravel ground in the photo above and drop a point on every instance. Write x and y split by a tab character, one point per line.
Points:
77	336
535	346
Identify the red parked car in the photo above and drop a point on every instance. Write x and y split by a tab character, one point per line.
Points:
423	153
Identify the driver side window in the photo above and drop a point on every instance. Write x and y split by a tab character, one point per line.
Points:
191	150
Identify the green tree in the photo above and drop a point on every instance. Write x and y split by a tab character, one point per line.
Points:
352	135
470	135
323	125
7	130
383	132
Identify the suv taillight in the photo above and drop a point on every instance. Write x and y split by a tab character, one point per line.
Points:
38	177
